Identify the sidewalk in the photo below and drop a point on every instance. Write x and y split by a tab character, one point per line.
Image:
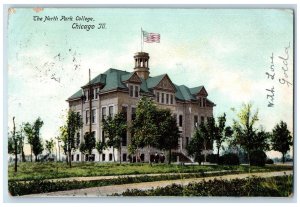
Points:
108	190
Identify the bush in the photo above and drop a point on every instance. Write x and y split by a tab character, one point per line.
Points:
281	186
212	158
258	158
229	159
269	161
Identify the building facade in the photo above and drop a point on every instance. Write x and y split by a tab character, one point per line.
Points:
116	90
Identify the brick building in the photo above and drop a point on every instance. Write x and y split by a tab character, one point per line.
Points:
117	90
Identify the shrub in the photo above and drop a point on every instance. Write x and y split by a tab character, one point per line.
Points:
281	186
258	158
269	161
229	159
212	158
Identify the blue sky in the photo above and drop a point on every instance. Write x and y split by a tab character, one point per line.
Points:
227	51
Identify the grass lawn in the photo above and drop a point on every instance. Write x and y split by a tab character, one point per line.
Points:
37	171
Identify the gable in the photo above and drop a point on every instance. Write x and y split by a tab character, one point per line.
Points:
166	84
134	78
202	92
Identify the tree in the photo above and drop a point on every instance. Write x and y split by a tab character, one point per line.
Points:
281	139
144	128
74	123
15	141
64	138
261	140
110	133
49	145
37	146
244	131
28	129
114	128
100	146
120	124
83	150
196	145
89	142
222	132
168	132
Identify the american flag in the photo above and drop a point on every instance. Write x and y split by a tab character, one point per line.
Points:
151	37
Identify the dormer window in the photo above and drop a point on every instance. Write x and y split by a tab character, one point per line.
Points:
134	91
131	91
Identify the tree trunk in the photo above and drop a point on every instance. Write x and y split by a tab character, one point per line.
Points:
170	156
149	155
249	162
31	153
218	154
114	154
283	158
16	155
120	153
23	156
16	147
36	158
70	164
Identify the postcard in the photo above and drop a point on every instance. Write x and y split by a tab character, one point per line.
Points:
168	102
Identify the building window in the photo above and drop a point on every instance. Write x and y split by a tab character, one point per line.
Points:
195	120
167	98
110	157
133	113
94	134
142	157
202	119
93	94
103	113
187	140
124	112
86	93
97	93
131	91
72	157
87	116
157	97
77	157
180	120
93	116
78	138
124	157
136	91
171	98
111	111
200	101
124	138
162	98
204	102
103	157
103	136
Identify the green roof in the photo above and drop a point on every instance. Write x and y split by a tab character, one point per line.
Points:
114	79
153	81
196	89
76	95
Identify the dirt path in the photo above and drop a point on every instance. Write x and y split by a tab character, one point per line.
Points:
108	190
